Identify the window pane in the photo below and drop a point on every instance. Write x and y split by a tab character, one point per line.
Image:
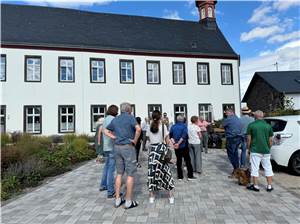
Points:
63	73
63	119
63	110
70	110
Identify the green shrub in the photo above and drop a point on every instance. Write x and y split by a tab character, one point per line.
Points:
9	185
5	139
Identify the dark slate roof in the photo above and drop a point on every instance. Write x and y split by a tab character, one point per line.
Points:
282	81
57	27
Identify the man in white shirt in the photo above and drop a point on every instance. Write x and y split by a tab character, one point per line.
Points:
194	133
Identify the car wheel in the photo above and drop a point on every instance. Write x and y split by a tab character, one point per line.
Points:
295	163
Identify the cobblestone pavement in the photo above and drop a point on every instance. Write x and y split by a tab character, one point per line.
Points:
212	198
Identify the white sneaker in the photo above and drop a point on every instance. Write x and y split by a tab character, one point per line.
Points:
151	200
171	200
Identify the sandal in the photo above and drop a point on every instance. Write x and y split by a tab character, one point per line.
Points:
133	205
121	203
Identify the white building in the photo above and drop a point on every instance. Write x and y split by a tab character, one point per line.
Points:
61	68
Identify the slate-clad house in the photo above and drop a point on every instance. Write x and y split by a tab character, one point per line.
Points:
267	90
62	68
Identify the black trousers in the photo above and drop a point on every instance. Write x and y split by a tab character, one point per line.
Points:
183	153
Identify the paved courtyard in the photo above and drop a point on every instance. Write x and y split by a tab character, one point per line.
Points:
212	198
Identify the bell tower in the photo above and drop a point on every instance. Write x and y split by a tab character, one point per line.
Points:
207	14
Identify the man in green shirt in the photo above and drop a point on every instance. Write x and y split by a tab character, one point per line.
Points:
259	142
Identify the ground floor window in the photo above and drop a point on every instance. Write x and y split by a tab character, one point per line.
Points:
3	118
97	111
228	106
33	119
66	115
205	111
153	107
180	109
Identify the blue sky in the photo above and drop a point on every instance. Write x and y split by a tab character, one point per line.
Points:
262	32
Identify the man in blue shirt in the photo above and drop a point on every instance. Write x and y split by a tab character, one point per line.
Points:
179	138
233	134
125	131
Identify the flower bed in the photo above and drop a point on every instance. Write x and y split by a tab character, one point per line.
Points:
26	159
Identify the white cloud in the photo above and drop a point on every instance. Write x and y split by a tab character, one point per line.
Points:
287	56
170	14
264	53
260	32
282	5
284	37
67	3
260	16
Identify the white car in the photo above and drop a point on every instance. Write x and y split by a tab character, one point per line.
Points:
286	141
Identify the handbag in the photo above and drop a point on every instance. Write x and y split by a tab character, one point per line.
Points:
168	155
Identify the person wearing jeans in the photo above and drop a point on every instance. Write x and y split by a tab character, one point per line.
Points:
245	120
233	134
178	137
108	180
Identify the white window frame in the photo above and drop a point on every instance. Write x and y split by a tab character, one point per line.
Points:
153	72
205	111
66	62
178	73
182	110
98	64
226	74
153	107
3	68
96	115
201	72
33	128
68	128
3	117
33	71
127	65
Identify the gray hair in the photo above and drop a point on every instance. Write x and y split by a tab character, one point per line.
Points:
180	118
259	114
125	107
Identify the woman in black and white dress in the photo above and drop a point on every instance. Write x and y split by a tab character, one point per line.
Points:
159	173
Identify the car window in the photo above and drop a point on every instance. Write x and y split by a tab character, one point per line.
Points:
277	125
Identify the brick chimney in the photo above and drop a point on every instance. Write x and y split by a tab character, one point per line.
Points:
207	13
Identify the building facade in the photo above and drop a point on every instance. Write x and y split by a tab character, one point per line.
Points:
56	86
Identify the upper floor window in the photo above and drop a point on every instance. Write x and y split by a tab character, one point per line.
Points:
97	70
203	73
3	68
205	111
33	68
126	71
3	118
226	74
33	119
66	69
97	111
178	73
66	115
153	72
210	12
203	13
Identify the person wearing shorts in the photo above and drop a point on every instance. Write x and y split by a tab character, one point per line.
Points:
125	131
259	142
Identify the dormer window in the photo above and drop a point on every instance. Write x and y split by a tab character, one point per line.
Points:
210	12
203	13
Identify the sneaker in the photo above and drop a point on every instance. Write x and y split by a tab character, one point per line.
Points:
252	188
151	200
180	179
171	200
102	189
269	189
192	178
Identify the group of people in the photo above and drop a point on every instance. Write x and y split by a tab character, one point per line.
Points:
254	135
119	138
